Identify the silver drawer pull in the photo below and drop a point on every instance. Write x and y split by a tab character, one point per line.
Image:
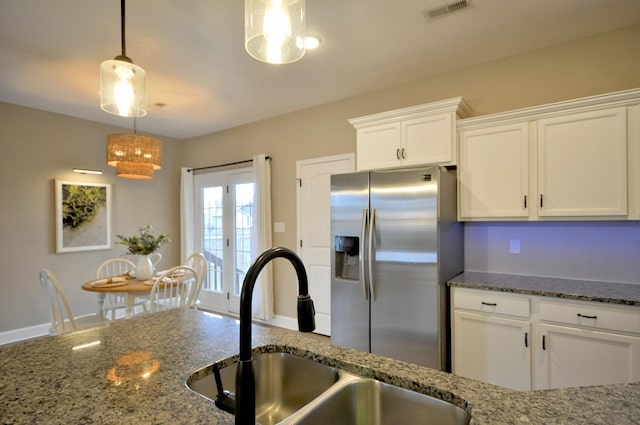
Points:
489	304
587	317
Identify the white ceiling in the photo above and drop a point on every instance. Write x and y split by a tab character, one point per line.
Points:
193	52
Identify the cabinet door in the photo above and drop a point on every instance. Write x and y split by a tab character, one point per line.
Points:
379	147
494	172
572	357
492	349
428	140
582	165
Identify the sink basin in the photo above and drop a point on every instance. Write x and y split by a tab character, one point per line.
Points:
371	402
284	384
294	390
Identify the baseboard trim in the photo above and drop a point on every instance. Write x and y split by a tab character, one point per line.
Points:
281	322
22	334
35	331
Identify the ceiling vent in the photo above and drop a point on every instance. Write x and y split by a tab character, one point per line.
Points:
447	9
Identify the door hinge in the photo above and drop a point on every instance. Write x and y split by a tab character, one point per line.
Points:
227	241
299	182
227	188
300	243
227	296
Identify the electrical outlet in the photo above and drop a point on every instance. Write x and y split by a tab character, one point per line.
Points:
514	246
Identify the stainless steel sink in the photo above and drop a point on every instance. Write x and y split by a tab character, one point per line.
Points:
371	402
293	390
284	384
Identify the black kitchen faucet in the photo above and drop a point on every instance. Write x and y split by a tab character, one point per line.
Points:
244	405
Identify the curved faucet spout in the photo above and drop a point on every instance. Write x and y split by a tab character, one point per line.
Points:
245	380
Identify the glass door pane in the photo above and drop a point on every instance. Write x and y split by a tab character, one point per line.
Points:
213	237
243	225
210	237
223	224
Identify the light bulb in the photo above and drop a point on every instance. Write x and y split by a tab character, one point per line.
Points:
277	29
123	90
272	28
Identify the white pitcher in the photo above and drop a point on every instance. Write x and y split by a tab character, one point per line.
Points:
146	264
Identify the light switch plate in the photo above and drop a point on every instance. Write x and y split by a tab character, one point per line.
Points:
278	227
514	246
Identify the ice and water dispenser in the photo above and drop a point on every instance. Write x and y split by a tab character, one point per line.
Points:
347	257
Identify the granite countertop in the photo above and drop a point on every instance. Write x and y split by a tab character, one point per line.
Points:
47	381
585	290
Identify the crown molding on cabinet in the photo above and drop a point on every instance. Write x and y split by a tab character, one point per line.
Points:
626	97
456	104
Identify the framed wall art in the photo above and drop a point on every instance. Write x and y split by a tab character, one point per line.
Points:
83	216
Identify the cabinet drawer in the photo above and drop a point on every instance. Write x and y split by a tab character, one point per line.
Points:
591	314
491	302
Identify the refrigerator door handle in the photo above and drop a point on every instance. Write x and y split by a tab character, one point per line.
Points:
372	221
365	220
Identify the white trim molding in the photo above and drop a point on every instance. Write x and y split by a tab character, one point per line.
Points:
22	334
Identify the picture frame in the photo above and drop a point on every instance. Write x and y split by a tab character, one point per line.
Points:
83	216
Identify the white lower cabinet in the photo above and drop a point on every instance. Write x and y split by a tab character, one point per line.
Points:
573	357
528	342
587	343
492	337
493	349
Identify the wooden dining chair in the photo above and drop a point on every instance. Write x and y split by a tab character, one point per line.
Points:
197	262
114	302
171	289
62	320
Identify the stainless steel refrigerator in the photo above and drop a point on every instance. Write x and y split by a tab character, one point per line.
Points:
396	241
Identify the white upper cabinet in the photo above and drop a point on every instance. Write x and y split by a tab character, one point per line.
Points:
378	146
418	135
568	160
494	172
582	164
633	160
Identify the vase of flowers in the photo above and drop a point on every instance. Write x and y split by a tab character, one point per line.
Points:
144	247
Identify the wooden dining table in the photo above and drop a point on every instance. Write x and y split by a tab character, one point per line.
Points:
131	287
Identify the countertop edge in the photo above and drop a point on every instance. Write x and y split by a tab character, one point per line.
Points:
583	290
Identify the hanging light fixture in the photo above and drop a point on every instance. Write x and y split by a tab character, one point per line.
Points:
122	83
274	30
134	170
135	156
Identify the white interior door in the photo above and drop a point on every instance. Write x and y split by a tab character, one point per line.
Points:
314	228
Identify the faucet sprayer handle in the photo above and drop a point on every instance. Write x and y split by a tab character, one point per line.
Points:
306	314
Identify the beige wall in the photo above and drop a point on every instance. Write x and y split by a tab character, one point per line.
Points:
605	63
38	147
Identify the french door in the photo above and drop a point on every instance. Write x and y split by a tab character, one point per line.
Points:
223	224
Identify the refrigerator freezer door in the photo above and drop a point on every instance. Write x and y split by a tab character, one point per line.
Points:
405	312
349	294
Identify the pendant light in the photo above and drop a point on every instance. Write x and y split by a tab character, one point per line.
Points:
274	30
122	83
135	156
